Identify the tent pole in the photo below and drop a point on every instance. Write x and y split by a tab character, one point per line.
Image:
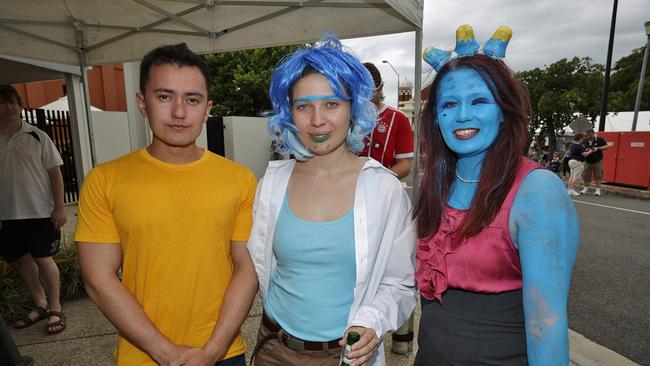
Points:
415	172
84	81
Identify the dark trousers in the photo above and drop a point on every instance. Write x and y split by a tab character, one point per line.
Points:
9	354
233	361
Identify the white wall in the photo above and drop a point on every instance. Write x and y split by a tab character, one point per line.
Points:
111	130
245	138
202	140
247	142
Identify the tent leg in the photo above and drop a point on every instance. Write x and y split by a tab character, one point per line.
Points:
81	142
139	133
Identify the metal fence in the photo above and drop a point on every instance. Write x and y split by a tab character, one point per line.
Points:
215	135
57	125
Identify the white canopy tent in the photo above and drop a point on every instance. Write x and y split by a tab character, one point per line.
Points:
62	104
21	70
93	32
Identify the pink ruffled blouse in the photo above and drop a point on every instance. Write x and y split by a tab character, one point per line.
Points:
487	262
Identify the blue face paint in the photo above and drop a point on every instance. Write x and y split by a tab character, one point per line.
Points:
311	98
468	116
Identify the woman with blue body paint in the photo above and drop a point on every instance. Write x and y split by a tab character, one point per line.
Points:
499	235
332	240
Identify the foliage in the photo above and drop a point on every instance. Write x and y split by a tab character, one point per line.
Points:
624	83
16	300
241	79
563	89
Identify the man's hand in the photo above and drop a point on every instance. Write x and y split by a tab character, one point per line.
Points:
58	217
56	185
168	354
364	348
196	357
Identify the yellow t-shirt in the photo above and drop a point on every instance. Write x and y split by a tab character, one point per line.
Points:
175	224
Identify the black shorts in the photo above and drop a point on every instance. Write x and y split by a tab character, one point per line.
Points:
35	236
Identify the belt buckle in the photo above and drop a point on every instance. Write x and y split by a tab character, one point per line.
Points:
293	343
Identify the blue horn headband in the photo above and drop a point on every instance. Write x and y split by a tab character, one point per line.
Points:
466	45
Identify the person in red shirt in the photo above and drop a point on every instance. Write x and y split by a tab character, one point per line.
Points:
391	144
391	141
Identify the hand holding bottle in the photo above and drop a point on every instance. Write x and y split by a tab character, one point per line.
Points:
361	350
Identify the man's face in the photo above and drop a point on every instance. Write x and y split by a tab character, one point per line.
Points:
376	96
590	135
176	103
9	111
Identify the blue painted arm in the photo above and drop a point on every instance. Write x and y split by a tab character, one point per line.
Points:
544	225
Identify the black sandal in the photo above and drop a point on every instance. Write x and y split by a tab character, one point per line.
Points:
59	323
27	321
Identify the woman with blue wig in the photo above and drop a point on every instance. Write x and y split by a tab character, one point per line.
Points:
332	239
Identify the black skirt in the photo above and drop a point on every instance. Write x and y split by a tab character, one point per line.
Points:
471	328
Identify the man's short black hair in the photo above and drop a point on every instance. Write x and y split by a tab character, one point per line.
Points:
176	54
9	93
376	76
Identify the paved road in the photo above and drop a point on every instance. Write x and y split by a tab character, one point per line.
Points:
610	291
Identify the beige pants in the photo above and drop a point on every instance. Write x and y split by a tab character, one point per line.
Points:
576	169
274	353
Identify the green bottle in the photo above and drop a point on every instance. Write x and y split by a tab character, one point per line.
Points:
353	337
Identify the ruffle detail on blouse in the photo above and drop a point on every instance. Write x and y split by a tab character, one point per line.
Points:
431	253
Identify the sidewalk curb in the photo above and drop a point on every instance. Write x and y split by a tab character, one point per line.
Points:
584	352
626	192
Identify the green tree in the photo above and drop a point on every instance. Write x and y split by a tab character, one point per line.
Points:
624	83
561	90
241	79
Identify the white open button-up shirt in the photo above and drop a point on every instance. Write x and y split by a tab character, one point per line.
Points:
384	236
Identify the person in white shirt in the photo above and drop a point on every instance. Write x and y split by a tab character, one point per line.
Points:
31	209
332	240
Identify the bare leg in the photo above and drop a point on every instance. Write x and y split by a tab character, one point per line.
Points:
29	272
49	276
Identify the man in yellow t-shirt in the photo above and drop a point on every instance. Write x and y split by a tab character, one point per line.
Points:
175	218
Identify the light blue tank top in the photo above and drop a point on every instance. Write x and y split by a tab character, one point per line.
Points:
311	292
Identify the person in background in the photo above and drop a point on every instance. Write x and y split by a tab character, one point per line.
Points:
593	165
554	164
565	159
332	239
31	210
175	219
494	279
391	144
9	354
576	159
391	141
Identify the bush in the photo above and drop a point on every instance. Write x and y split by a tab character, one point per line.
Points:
16	300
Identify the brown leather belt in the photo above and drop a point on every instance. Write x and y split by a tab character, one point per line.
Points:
294	343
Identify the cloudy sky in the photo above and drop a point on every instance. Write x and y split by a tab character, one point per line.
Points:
544	31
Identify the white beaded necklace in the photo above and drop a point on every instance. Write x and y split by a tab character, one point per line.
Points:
466	180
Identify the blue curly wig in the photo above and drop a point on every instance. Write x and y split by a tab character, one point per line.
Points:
347	77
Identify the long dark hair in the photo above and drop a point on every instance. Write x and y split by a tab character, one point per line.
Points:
501	160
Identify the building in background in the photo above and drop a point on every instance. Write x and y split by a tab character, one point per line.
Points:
405	102
105	86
